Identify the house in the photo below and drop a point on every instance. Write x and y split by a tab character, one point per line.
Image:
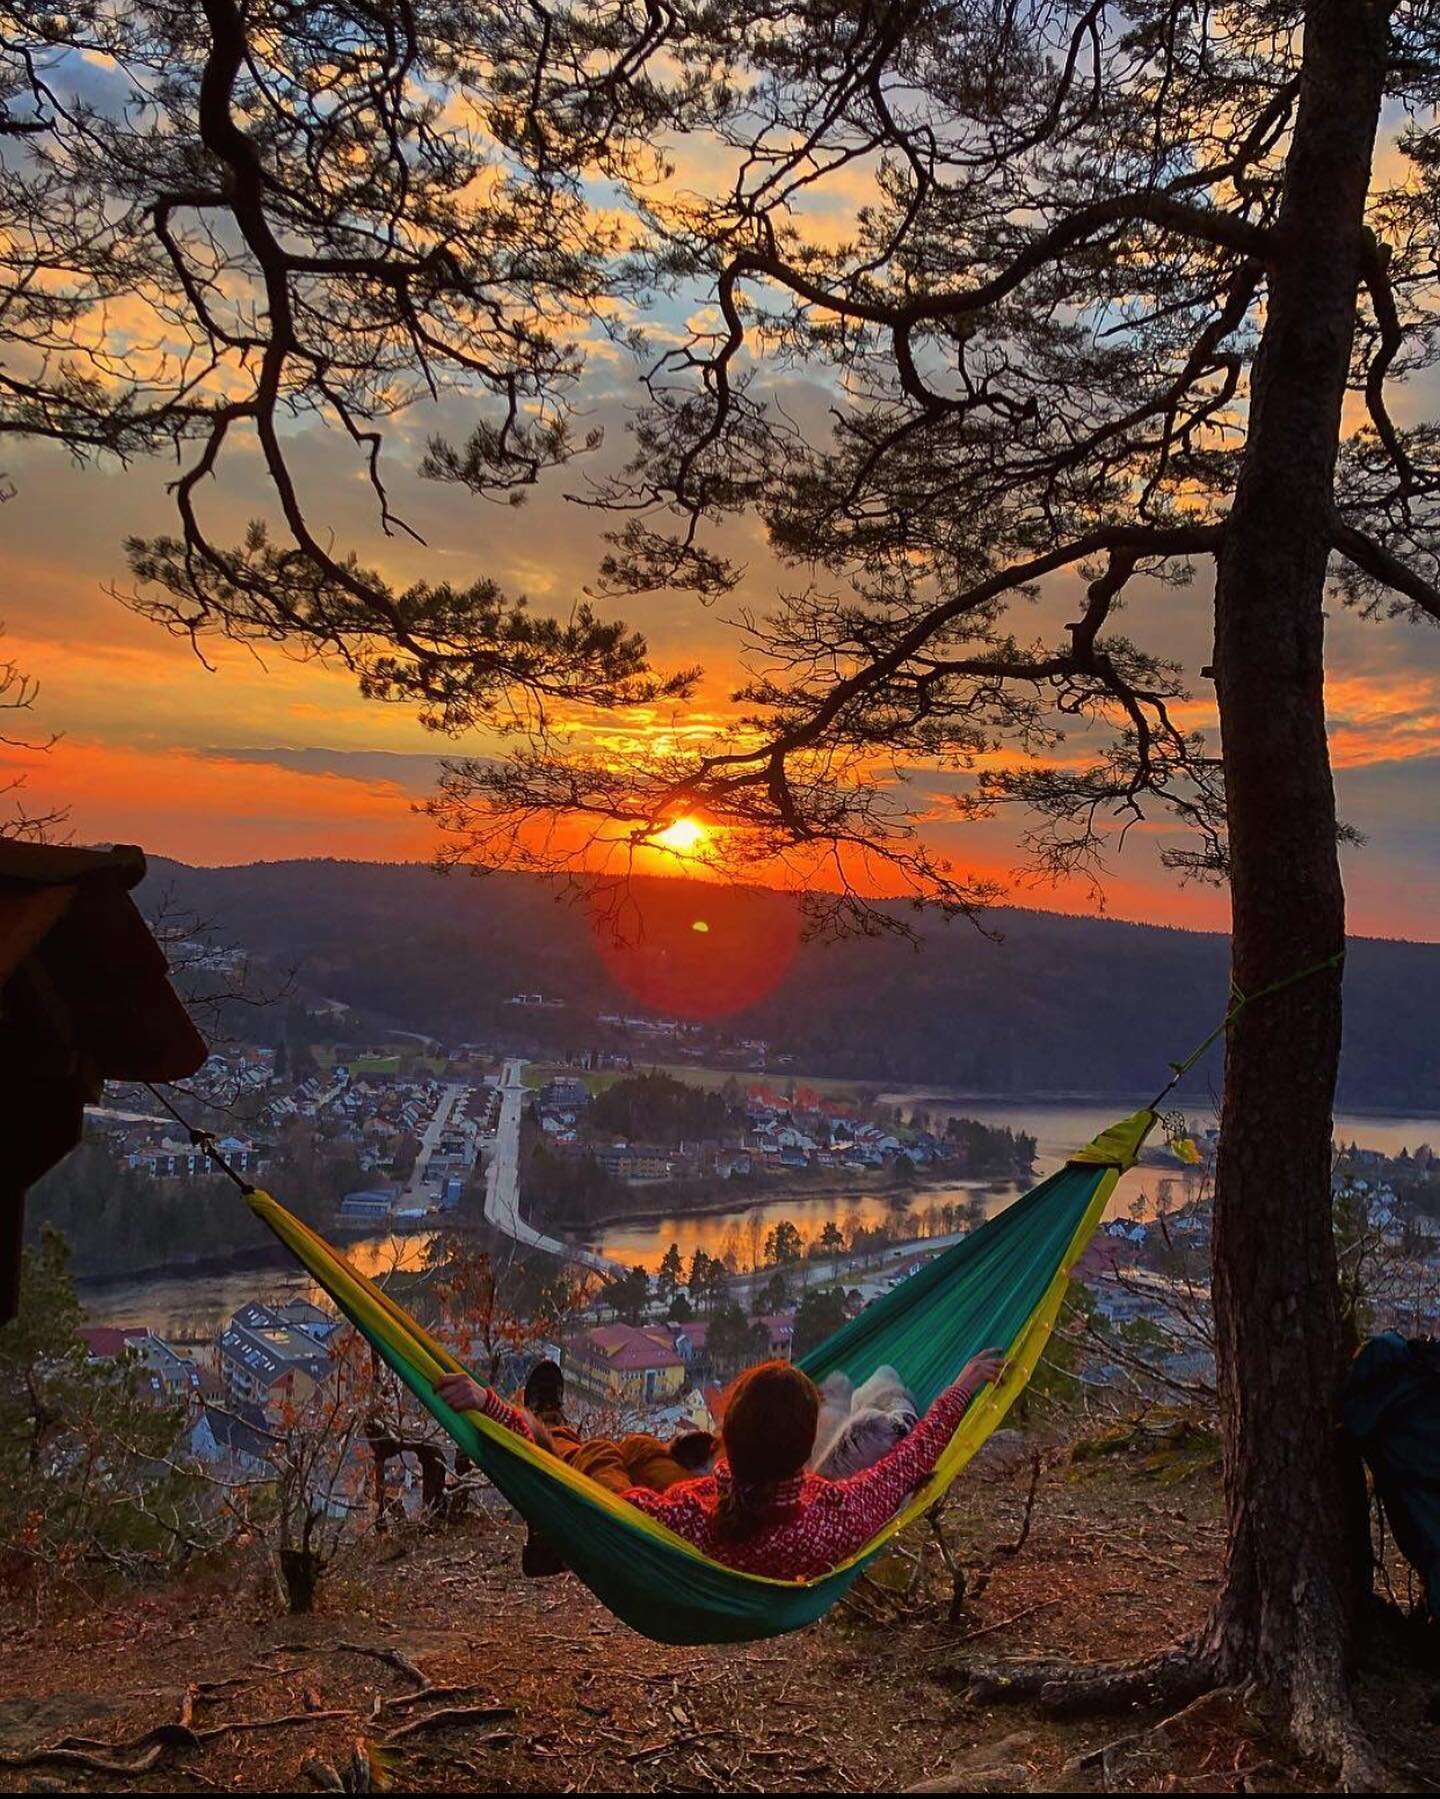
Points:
780	1328
706	1406
169	1158
266	1362
368	1204
305	1315
903	1270
564	1094
108	1342
162	1371
689	1340
626	1364
633	1162
234	1446
172	1377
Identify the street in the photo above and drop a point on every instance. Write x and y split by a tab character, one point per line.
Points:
502	1181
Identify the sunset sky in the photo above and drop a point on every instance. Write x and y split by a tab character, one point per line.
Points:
262	760
258	760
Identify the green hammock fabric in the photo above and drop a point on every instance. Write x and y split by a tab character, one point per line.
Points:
1000	1286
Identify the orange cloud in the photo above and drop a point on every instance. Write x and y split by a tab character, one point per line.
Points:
209	809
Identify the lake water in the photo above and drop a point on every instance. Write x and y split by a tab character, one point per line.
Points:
194	1302
191	1305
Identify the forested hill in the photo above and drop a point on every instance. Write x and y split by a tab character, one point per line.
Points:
1058	1005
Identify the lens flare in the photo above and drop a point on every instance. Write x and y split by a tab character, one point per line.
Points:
696	951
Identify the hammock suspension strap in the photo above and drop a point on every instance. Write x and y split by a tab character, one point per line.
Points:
1238	1003
201	1140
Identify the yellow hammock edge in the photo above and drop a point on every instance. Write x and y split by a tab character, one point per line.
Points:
371	1307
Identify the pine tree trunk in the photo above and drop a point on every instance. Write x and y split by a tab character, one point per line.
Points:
1285	1609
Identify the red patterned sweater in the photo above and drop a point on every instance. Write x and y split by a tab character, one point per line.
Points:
816	1523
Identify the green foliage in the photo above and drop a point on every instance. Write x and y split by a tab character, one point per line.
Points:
831	1240
989	1149
119	1219
774	1295
733	1342
628	1295
819	1315
656	1108
671	1273
784	1246
905	1177
82	1475
567	1192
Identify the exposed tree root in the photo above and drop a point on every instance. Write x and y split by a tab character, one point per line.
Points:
1066	1688
454	1714
96	1756
392	1658
1316	1714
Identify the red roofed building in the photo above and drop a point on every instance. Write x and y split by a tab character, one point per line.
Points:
166	1373
626	1364
107	1342
780	1328
1099	1262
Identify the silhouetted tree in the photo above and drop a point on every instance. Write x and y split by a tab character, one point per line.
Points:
784	1244
1124	262
293	227
819	1315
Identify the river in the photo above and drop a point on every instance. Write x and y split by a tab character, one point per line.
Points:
191	1303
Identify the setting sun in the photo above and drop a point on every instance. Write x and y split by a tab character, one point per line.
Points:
685	836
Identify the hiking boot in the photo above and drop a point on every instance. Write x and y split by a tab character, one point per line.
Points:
544	1393
538	1561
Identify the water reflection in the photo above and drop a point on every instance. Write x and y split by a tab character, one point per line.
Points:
188	1301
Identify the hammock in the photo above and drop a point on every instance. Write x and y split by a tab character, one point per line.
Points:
1001	1286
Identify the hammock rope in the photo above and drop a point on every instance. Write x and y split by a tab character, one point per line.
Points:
1002	1285
1238	1002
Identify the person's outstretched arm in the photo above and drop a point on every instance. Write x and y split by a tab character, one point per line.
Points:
868	1500
466	1395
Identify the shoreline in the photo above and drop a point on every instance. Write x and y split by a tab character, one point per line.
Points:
723	1205
237	1261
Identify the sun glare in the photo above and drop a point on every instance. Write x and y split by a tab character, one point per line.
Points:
683	837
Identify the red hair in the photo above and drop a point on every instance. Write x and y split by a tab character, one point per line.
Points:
768	1431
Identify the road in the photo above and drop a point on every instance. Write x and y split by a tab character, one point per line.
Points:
430	1137
502	1182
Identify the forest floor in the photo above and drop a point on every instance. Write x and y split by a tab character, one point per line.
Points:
454	1674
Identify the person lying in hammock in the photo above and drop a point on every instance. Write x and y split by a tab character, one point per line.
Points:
761	1511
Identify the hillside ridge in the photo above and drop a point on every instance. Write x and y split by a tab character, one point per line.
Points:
1053	1003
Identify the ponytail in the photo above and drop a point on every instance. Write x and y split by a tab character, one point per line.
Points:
741	1512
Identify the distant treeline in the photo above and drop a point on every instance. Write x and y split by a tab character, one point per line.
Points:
986	1149
119	1219
1050	1005
657	1108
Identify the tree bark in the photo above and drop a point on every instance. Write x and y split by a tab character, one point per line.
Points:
1284	1614
300	1572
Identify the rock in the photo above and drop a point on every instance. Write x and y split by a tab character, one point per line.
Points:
25	1721
993	1767
1002	1453
1006	1777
